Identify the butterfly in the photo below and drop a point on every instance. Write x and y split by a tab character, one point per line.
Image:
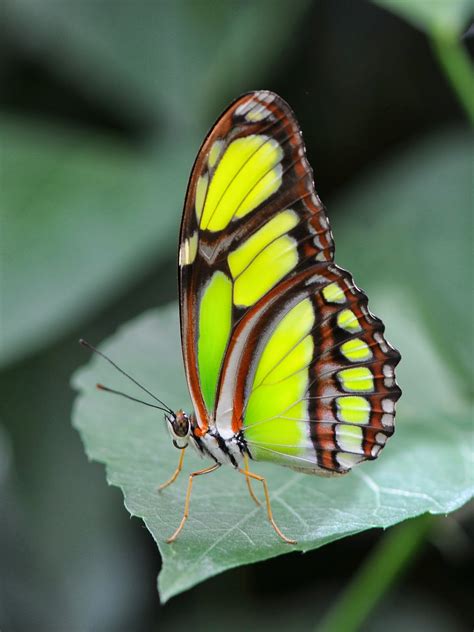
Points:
284	361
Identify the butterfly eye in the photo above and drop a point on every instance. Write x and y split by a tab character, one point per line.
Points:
180	424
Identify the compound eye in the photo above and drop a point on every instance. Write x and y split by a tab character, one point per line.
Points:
181	426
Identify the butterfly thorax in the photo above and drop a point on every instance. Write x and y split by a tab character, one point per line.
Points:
185	429
211	444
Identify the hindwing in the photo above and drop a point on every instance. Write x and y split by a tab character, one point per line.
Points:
278	342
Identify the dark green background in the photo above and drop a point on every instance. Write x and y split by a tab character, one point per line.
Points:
132	83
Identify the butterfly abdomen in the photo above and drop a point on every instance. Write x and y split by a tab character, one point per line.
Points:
230	451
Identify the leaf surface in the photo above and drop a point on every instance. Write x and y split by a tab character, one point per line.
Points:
425	467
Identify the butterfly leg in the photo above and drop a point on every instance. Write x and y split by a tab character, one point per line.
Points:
248	479
174	476
206	470
257	477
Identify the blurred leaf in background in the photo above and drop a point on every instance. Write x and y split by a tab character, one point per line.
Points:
92	214
443	21
420	209
446	17
82	208
170	60
104	108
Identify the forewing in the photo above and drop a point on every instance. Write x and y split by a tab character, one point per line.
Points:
252	220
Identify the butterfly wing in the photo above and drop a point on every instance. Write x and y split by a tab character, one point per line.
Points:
278	342
321	393
238	232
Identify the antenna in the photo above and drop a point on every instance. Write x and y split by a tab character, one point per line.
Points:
166	408
101	387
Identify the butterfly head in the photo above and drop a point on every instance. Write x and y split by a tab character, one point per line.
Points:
179	426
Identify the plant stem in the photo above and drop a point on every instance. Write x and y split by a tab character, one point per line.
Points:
378	572
455	62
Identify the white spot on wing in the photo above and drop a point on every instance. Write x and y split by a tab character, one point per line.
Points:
379	338
389	379
253	110
188	250
323	221
266	96
375	450
387	420
388	370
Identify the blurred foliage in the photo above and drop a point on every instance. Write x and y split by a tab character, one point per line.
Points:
426	468
104	108
159	58
444	21
443	16
92	213
396	549
92	217
419	206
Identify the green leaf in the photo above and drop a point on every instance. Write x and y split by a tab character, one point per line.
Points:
171	58
81	218
442	16
424	468
443	21
407	226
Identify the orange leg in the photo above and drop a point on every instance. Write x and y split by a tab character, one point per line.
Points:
206	470
175	473
269	508
247	478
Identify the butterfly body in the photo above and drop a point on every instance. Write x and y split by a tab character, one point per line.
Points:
212	445
284	361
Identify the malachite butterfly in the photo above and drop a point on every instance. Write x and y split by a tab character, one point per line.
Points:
284	361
